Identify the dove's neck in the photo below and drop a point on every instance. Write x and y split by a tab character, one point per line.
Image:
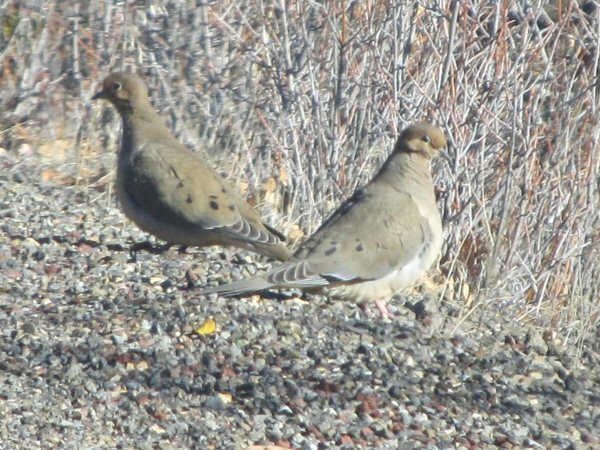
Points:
142	124
408	172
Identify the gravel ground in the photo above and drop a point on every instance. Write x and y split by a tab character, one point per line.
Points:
99	349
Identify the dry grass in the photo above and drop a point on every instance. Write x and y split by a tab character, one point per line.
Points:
302	100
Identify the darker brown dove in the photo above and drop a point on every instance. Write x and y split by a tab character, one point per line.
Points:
172	192
381	240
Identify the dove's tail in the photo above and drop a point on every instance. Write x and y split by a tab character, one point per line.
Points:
240	287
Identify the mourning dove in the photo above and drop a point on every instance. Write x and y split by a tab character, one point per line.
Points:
172	192
379	241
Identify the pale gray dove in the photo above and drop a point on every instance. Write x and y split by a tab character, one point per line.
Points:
381	240
172	192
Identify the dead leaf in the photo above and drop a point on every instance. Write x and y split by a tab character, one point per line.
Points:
56	150
295	234
268	190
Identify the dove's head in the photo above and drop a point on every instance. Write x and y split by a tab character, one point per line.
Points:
422	139
126	91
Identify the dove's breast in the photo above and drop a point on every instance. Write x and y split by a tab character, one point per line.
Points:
402	276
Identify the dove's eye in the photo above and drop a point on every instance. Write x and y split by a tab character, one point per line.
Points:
426	139
116	86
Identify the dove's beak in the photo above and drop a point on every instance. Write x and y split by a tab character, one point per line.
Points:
100	94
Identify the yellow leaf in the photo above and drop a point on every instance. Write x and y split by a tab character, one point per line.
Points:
226	397
208	327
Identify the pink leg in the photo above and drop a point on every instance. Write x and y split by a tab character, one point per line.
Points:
383	309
